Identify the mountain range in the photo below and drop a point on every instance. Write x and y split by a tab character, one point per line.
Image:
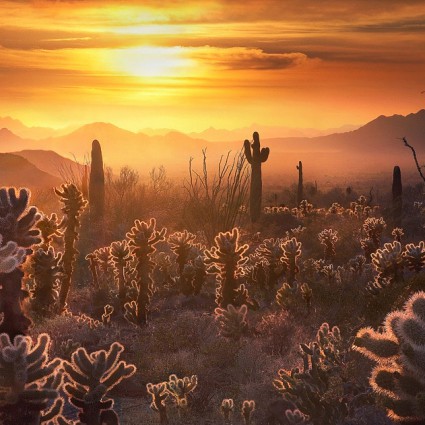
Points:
373	147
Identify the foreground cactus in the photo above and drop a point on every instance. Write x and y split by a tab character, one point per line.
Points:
228	256
232	321
399	375
73	205
142	239
28	381
389	261
91	377
317	390
414	256
255	157
18	234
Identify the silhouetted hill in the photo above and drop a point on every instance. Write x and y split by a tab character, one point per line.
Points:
18	171
52	163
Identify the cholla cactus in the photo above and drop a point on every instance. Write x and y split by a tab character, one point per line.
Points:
374	228
336	209
226	408
290	296
73	205
181	244
103	256
50	229
28	381
232	321
389	262
305	208
91	377
46	272
296	417
248	407
414	256
328	238
94	268
317	390
107	314
159	395
397	233
271	253
11	256
292	252
398	376
356	265
179	388
17	223
142	240
121	257
228	256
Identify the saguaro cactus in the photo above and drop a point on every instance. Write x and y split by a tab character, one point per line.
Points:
97	183
397	197
300	191
255	158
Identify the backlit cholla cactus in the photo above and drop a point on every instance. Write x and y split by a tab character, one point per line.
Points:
232	321
226	408
304	208
11	256
103	256
397	233
181	244
46	272
73	205
336	209
389	261
17	223
159	395
142	240
229	257
50	229
121	257
179	388
374	227
317	390
356	265
94	268
248	407
270	253
296	417
398	350
91	377
414	256
289	297
28	381
328	239
291	254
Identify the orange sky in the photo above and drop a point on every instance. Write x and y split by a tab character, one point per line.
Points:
193	64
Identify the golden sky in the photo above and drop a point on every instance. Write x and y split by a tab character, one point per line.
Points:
224	63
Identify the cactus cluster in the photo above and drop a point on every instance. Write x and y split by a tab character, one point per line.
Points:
328	239
317	390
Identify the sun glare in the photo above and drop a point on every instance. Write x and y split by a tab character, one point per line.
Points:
151	62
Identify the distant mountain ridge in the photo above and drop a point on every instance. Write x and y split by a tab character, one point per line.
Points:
375	144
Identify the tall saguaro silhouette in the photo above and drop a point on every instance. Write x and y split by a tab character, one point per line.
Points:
300	191
397	197
97	184
255	157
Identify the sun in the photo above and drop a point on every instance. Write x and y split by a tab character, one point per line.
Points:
151	62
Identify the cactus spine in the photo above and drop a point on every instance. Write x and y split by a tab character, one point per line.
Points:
73	205
255	158
397	197
97	184
300	191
